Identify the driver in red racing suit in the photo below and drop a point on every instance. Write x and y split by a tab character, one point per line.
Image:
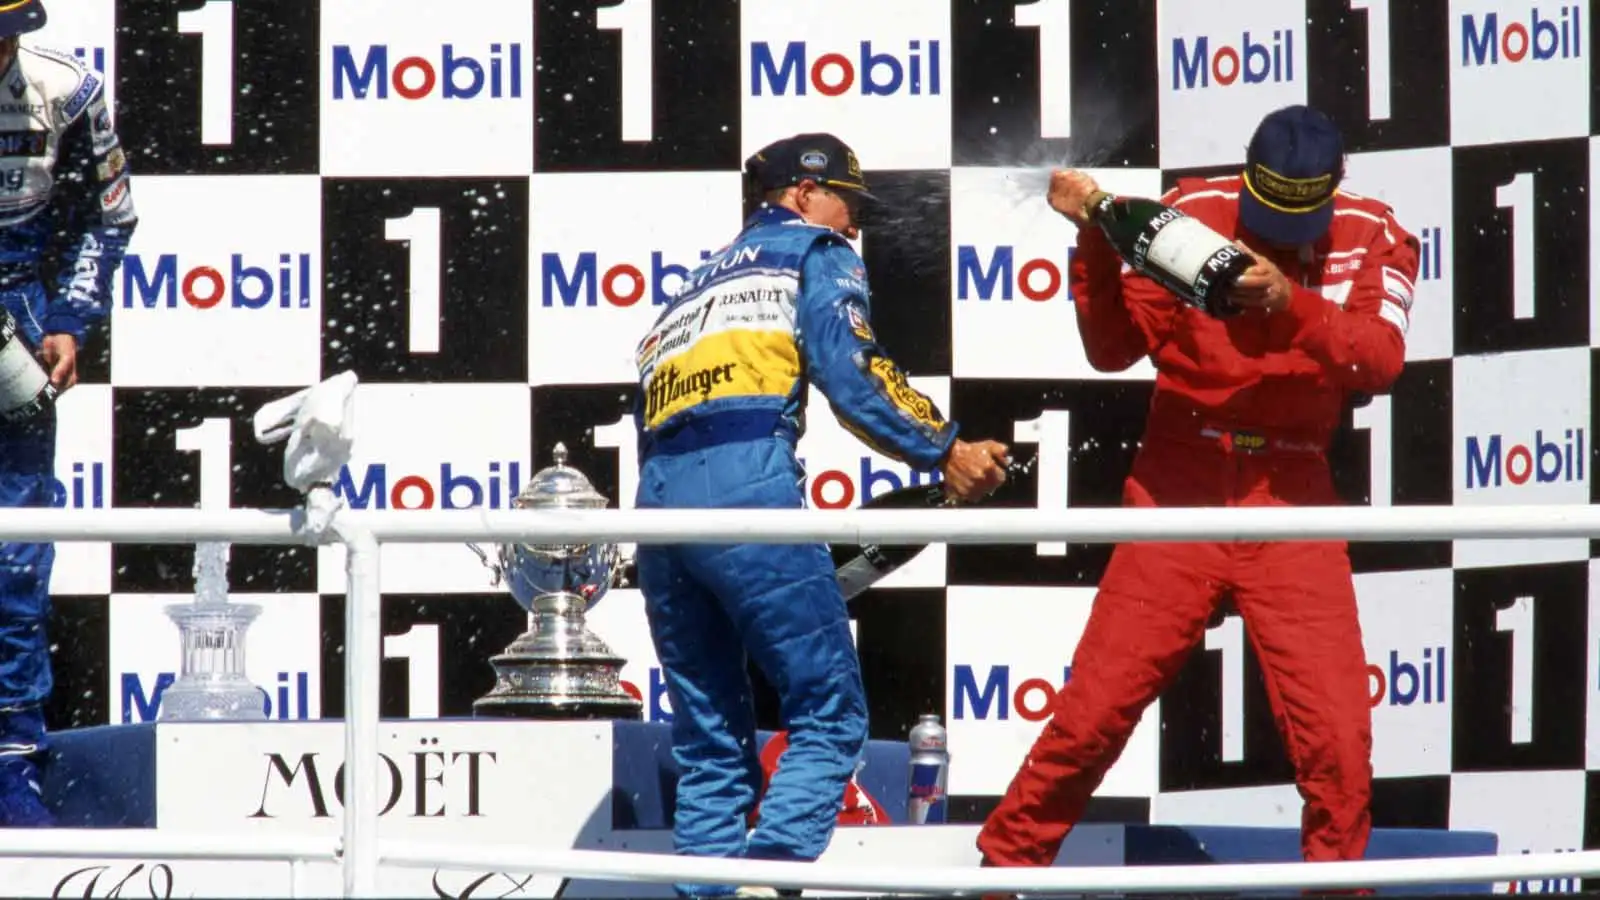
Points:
1242	412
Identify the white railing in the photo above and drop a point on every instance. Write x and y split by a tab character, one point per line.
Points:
972	525
363	532
655	868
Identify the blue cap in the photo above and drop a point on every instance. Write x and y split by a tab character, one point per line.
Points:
819	157
20	17
1291	174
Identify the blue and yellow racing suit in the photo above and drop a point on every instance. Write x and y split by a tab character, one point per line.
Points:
723	379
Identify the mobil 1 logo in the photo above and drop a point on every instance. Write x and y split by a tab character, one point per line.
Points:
1386	453
595	422
216	87
1520	666
1085	435
1521	242
427	280
641	85
1381	69
436	651
1031	82
191	448
400	98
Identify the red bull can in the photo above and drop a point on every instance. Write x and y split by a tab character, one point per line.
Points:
930	770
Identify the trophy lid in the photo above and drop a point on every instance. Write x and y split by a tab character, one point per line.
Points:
560	486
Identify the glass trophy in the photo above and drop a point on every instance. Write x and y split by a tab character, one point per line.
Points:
212	685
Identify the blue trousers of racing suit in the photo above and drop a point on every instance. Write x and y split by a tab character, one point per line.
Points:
27	479
712	607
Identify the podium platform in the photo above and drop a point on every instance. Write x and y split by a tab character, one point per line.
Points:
598	785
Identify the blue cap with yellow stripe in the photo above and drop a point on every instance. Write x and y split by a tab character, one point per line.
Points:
1292	172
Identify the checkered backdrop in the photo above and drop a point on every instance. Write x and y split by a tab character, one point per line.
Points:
478	214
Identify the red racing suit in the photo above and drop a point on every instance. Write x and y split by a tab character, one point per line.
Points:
1242	413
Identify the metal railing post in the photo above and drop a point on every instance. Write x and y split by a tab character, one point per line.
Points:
363	653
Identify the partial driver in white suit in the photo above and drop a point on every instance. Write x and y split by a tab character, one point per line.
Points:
66	214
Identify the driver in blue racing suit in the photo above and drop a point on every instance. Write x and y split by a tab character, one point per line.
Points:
723	375
65	218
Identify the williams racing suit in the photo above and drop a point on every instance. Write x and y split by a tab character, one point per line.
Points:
723	378
65	218
1242	412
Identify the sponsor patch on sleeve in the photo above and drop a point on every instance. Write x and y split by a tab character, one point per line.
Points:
114	194
905	398
858	323
113	165
116	203
74	105
102	135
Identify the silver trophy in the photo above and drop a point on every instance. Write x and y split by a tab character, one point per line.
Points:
212	684
558	668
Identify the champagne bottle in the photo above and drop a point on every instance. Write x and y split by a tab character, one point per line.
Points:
1172	248
860	567
25	388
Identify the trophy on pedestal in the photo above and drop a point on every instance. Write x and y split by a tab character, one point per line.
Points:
558	668
212	685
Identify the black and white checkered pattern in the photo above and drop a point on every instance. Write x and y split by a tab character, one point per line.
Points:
476	213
